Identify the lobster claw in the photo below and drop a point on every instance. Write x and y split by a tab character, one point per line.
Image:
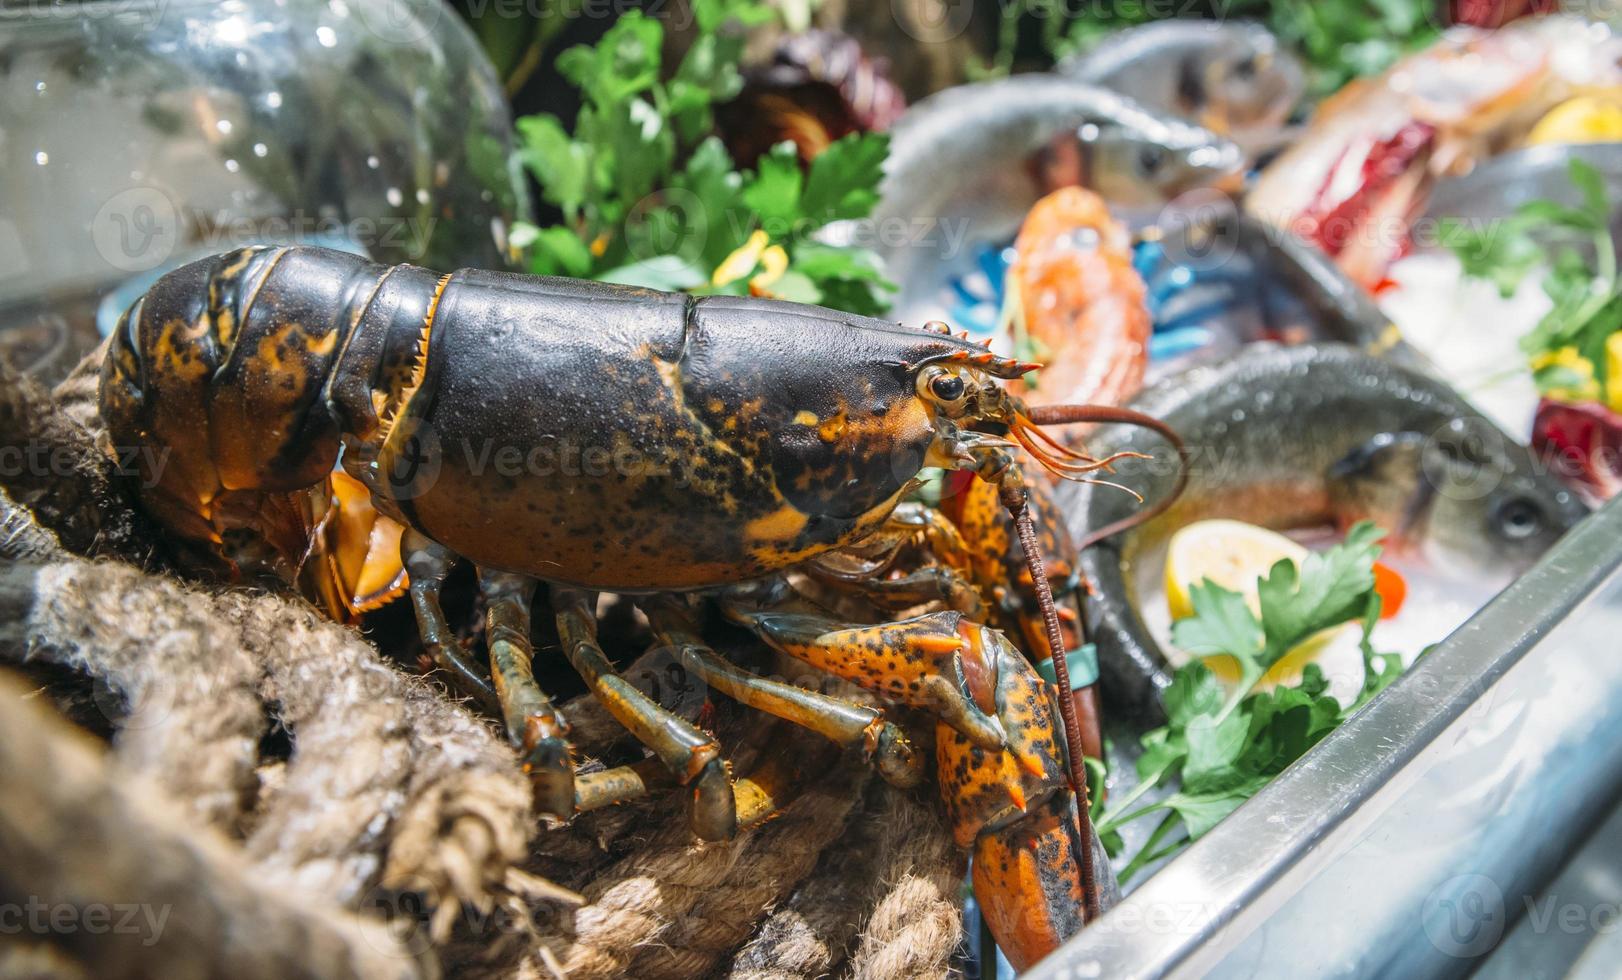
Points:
1015	811
1027	882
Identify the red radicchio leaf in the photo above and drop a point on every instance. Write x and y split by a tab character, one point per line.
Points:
1583	443
1497	13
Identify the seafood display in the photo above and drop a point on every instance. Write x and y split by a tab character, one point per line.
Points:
1067	453
966	164
1309	437
1232	78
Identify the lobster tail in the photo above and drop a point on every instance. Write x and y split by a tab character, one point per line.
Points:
215	387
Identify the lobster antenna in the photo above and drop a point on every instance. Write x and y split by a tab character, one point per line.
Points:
1065	414
1017	501
1019	505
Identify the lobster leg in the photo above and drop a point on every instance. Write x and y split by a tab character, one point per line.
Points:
930	583
427	563
924	662
533	722
840	721
942	538
690	754
758	795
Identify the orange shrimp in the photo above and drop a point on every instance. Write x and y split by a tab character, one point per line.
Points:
1076	304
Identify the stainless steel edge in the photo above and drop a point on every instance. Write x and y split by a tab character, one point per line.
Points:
1184	919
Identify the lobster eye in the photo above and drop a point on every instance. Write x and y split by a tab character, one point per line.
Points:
947	387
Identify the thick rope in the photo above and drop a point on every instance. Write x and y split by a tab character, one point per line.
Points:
918	922
676	908
769	867
60	474
811	933
76	833
180	693
390	785
405	765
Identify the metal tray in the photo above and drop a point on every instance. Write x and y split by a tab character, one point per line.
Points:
1411	839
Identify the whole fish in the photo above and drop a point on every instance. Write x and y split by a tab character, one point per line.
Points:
1230	77
1307	436
961	164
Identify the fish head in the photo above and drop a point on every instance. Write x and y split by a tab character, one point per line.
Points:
1149	161
1462	497
1247	82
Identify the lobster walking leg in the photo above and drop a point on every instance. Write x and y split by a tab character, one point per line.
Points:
927	584
924	661
840	721
758	795
691	755
533	722
427	563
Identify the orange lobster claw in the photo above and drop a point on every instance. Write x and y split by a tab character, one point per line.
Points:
1026	882
1014	808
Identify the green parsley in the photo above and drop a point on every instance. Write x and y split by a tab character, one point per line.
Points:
650	196
1222	746
1338	40
1581	280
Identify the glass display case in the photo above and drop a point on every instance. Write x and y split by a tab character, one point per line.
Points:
136	135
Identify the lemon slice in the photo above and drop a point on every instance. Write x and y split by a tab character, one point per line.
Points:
1585	119
1235	555
1232	554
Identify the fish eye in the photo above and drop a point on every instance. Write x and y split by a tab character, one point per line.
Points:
1150	158
1518	518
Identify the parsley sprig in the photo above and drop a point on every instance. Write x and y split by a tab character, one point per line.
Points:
1222	746
650	196
1581	281
1338	40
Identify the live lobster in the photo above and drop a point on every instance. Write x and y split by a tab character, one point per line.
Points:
671	448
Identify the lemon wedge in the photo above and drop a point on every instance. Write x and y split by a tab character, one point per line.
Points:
1585	119
1235	555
